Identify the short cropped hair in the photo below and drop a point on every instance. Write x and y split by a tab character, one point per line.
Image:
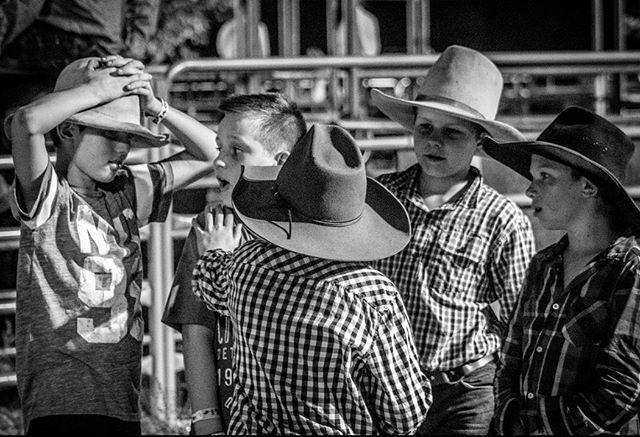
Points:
281	122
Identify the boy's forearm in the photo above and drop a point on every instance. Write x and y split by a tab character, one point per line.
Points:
198	140
47	112
201	374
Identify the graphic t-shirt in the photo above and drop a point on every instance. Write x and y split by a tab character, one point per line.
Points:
79	324
183	307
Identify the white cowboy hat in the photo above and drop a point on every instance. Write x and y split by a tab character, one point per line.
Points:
463	83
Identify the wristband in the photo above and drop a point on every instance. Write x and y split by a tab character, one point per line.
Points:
162	113
204	414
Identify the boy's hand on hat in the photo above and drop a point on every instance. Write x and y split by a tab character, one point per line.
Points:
215	229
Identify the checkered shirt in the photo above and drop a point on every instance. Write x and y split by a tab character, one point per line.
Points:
571	359
320	346
468	253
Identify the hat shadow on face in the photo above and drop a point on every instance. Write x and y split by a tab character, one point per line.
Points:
584	141
321	203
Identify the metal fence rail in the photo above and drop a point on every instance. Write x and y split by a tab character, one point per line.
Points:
384	135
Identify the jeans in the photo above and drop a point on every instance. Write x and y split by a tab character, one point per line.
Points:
465	406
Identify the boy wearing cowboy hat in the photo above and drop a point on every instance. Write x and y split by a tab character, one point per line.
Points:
256	129
571	358
470	245
322	341
79	325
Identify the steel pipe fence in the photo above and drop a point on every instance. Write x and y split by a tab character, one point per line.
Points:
387	136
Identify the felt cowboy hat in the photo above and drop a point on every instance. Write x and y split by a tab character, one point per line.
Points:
584	141
321	203
463	83
120	115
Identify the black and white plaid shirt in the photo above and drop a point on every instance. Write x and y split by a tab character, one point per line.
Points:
321	346
470	252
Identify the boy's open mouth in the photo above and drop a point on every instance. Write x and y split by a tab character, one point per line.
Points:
223	185
117	162
436	158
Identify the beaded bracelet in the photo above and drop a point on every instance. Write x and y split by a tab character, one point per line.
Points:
204	414
162	113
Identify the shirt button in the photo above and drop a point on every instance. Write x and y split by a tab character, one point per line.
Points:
539	349
529	395
555	306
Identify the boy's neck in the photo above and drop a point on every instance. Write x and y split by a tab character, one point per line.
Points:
435	190
591	238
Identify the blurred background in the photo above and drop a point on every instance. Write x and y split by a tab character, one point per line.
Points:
326	55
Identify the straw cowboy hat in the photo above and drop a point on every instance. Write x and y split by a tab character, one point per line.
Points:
582	140
120	115
463	83
321	203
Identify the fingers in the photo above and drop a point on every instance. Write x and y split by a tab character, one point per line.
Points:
124	65
208	221
237	234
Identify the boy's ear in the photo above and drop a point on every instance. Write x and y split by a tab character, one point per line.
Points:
281	157
66	131
589	189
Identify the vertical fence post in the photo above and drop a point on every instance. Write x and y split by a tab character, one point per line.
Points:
160	256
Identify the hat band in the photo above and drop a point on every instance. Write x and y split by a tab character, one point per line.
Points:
308	219
450	102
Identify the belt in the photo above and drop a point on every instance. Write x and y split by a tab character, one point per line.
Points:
438	377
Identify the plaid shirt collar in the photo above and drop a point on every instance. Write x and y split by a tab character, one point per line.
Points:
408	187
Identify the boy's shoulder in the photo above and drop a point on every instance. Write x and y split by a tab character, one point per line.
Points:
506	211
353	275
401	180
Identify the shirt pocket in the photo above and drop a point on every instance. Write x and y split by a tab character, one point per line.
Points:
457	262
586	322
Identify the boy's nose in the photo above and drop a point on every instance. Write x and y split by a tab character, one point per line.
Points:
531	191
219	163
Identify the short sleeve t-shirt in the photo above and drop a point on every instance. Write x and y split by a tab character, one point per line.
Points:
183	307
79	325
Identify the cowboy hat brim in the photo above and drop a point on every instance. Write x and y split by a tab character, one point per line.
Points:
517	156
147	138
381	231
92	118
403	112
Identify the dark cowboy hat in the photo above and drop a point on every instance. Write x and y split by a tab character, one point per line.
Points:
462	83
321	203
119	115
584	141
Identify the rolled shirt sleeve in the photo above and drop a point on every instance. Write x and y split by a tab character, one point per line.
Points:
211	279
399	393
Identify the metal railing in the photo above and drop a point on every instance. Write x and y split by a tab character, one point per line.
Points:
386	136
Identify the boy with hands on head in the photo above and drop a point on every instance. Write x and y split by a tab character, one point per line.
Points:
79	325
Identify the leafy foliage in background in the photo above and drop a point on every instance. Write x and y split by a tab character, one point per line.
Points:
184	28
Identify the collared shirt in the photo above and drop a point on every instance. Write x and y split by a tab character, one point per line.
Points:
468	253
572	355
320	346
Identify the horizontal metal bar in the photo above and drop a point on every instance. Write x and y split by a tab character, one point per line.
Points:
8	380
573	61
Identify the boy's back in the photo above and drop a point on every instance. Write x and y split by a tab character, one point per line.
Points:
309	330
323	343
